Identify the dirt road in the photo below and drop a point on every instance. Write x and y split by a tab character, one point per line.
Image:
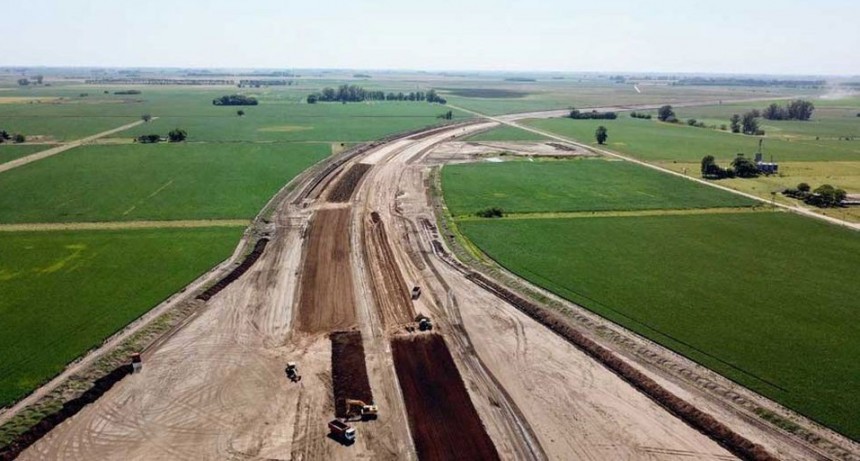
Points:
65	146
217	389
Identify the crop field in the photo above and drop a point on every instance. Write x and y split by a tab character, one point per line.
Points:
573	185
153	182
65	292
727	291
9	153
651	140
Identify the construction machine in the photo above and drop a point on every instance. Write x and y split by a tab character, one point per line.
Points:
293	372
342	431
359	408
424	323
416	292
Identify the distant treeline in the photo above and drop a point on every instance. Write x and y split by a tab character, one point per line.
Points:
520	79
701	81
259	83
233	74
122	92
157	81
635	114
355	93
593	115
235	100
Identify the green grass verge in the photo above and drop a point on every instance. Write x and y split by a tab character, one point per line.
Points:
651	140
65	292
573	185
768	300
9	153
153	182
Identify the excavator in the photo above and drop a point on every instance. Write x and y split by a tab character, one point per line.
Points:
293	372
357	408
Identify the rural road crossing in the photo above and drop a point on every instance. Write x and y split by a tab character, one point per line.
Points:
65	146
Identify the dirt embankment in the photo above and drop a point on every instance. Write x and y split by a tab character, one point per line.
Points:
390	291
342	190
699	420
69	409
327	300
237	272
349	377
443	420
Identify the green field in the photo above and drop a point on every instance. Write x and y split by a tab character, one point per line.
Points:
153	182
65	292
728	291
9	153
651	140
507	133
573	185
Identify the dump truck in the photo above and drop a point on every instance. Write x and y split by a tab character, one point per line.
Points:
424	323
293	372
136	362
416	292
361	409
342	431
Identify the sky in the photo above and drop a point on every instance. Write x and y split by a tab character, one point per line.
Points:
729	36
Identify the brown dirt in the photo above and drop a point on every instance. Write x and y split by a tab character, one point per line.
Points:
699	420
246	264
343	189
327	300
444	422
349	378
390	291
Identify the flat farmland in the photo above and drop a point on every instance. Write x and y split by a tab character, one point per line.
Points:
727	291
152	182
9	153
65	292
573	185
651	140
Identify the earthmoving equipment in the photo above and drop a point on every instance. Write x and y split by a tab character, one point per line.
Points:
424	323
293	372
416	292
342	430
136	362
359	408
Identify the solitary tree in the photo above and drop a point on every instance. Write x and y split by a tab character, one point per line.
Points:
19	138
4	135
708	163
800	109
744	167
601	134
735	122
23	81
146	117
665	114
177	135
240	112
38	79
749	123
312	98
803	187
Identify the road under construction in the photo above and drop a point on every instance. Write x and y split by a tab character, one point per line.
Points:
332	293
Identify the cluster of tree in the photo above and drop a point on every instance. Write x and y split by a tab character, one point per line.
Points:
728	81
601	134
37	80
640	115
355	93
666	114
520	79
235	100
361	76
593	115
174	135
264	83
824	196
492	212
795	110
157	81
747	123
695	123
122	92
447	115
16	138
741	167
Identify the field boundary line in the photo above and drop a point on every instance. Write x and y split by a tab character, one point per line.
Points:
511	121
617	213
66	146
117	225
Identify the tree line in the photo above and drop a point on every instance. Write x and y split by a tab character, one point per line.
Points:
593	115
174	135
16	138
235	100
824	196
741	167
355	93
795	110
